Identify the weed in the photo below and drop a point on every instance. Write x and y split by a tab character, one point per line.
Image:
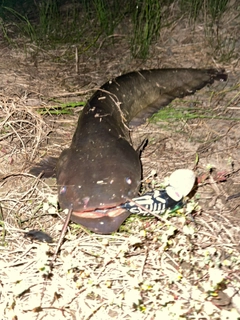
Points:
216	8
49	18
54	22
147	22
199	8
24	24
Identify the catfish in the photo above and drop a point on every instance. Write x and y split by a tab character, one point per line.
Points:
101	170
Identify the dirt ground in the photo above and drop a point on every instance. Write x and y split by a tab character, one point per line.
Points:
182	267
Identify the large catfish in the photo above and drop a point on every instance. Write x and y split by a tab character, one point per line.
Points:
100	170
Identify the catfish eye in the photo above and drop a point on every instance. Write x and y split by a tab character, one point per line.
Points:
128	180
63	189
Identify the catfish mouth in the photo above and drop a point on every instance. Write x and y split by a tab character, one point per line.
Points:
102	221
98	213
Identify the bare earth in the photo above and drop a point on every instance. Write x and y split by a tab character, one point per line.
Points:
176	268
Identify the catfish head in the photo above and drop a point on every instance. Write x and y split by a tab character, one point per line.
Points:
96	177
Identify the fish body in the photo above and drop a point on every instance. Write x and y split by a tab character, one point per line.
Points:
101	170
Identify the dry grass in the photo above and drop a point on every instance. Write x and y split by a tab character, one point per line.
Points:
175	268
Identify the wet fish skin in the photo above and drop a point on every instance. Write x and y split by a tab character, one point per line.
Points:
101	170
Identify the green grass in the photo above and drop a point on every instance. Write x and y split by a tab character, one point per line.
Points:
147	23
109	13
197	8
22	23
61	108
49	17
49	23
216	8
172	114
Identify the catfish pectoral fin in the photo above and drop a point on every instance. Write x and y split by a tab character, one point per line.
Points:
46	167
